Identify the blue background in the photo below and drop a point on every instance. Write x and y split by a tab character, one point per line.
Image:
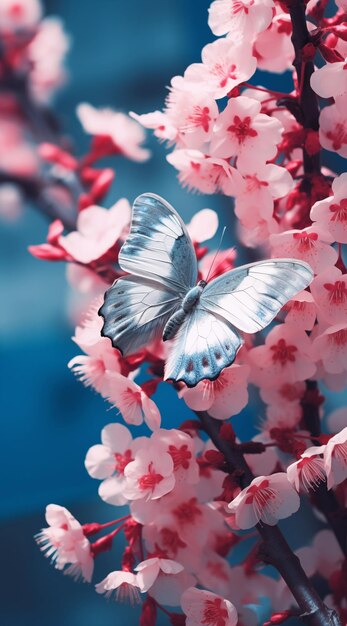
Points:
123	55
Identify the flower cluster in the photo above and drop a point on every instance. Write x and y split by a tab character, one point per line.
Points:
192	490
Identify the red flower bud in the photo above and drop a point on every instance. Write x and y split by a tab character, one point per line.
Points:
148	615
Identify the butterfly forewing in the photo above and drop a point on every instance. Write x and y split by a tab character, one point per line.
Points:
204	345
158	245
135	312
251	296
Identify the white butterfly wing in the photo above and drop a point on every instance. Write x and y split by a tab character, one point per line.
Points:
158	246
250	296
135	312
203	346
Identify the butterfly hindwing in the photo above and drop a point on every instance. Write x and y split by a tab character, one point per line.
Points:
135	312
204	345
158	246
251	296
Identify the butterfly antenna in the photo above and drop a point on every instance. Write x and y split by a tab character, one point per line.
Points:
215	256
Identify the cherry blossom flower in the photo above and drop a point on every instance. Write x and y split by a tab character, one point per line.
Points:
193	114
309	244
285	357
241	18
335	459
203	225
267	499
308	472
301	311
330	345
168	589
149	570
254	203
132	402
273	47
98	232
207	174
329	290
125	134
107	461
223	397
327	553
150	475
333	129
242	131
19	14
159	122
205	607
123	583
46	53
65	544
330	81
180	446
225	65
101	358
331	213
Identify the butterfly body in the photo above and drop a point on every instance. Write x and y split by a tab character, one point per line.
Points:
189	302
161	298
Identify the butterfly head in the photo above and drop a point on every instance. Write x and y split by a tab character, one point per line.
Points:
202	283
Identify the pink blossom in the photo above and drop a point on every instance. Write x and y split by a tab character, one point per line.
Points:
254	203
309	244
328	554
132	402
180	446
285	357
101	358
335	459
203	225
205	607
330	346
64	543
107	461
98	232
267	499
333	129
225	65
301	311
223	397
207	174
193	113
150	475
124	583
149	570
125	134
46	53
331	213
168	589
19	14
266	462
11	202
242	131
308	472
329	290
330	81
241	18
159	122
273	46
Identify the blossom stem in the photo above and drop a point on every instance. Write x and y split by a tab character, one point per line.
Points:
275	549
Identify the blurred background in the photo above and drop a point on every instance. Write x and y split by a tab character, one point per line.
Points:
122	55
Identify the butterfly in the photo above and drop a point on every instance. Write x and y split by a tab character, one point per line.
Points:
160	296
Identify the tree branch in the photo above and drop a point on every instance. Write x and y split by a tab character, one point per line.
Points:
276	550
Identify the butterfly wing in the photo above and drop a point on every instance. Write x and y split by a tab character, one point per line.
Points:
158	246
250	296
135	312
203	346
